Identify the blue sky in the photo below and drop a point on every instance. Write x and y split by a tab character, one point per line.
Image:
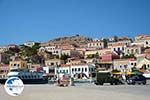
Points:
41	20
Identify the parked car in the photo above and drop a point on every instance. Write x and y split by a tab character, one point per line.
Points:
146	75
137	79
106	77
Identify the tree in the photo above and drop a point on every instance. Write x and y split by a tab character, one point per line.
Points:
26	51
129	56
64	57
115	39
105	42
96	55
90	56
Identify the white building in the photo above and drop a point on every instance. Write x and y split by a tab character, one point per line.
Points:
81	71
50	48
118	48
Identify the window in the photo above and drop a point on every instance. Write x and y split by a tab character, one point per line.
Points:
92	69
146	42
128	51
118	49
148	66
137	51
66	71
82	69
125	66
85	69
89	69
72	69
52	63
131	63
114	49
75	69
134	64
132	51
57	71
78	69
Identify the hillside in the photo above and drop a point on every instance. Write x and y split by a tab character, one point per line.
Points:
76	40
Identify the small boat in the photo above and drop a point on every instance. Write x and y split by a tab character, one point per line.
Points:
27	77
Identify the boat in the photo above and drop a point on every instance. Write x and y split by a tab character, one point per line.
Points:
26	76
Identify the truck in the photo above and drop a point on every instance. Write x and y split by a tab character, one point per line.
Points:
106	77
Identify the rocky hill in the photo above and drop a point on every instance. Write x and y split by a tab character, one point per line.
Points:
76	40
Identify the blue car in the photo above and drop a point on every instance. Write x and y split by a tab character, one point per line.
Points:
137	79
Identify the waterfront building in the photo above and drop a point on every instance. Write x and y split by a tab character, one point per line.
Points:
18	63
124	65
106	62
78	71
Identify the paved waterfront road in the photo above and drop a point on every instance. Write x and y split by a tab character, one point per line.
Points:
81	92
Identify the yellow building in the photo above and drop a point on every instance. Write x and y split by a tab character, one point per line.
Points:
100	52
53	62
96	44
144	64
18	64
134	49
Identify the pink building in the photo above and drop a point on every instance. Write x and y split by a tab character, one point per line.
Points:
109	57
